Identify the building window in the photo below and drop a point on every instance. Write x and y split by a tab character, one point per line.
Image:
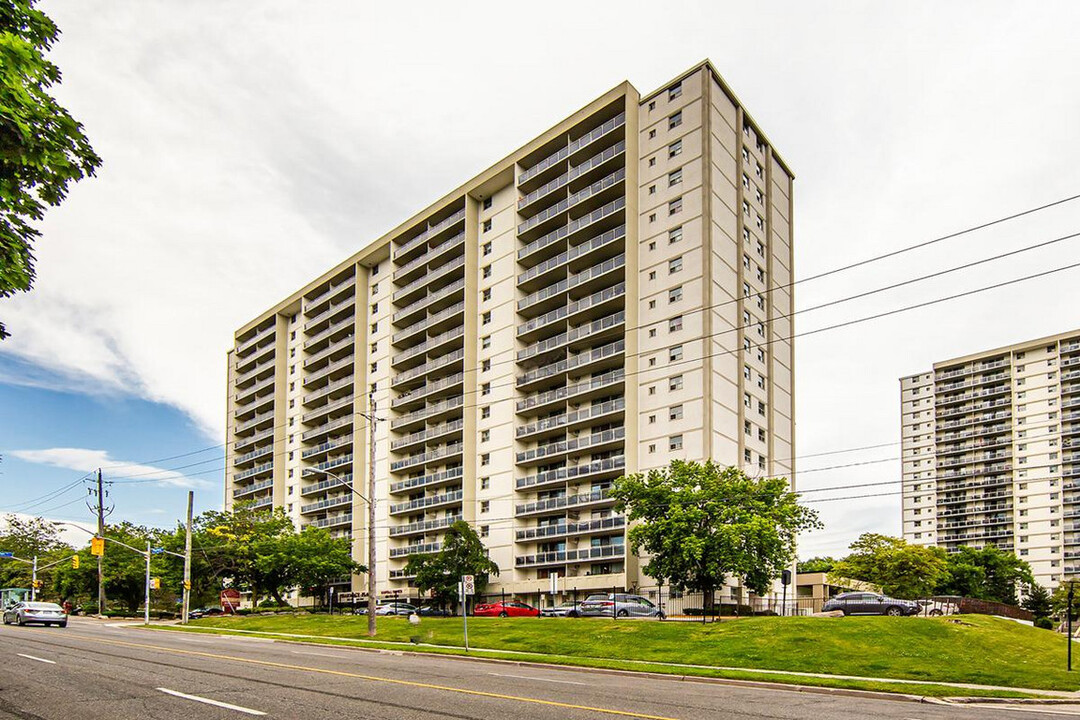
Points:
761	248
652	304
652	274
652	106
747	428
485	506
759	171
375	289
487	271
652	189
485	435
674	91
674	177
487	248
485	366
675	412
485	318
652	332
487	203
674	235
675	354
485	389
746	456
675	206
675	383
746	208
675	442
485	483
652	448
674	149
674	294
675	324
674	265
485	530
761	434
485	459
652	133
652	245
675	120
760	407
487	225
652	161
652	217
485	412
485	342
487	294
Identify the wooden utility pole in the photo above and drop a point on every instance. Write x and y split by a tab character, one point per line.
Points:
101	534
187	560
371	418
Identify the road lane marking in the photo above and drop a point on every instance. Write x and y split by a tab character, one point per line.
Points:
327	655
31	657
529	677
372	678
208	701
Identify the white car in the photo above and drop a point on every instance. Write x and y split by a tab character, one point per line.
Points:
44	613
395	608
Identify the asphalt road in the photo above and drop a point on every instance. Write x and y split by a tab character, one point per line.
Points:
93	669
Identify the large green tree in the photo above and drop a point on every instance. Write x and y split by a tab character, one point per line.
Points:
319	559
1037	601
27	537
816	565
462	553
901	569
701	523
42	148
986	573
124	568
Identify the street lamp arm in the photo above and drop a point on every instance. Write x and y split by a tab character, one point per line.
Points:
338	478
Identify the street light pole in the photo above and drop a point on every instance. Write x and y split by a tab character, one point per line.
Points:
371	541
33	582
371	418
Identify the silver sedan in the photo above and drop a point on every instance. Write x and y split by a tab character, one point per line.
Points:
44	613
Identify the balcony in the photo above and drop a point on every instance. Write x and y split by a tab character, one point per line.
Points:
326	427
327	389
419	393
334	502
571	556
567	474
257	470
959	372
420	528
430	344
251	440
253	455
427	412
345	324
426	481
607	380
563	153
429	367
332	291
345	343
333	462
421	261
427	234
263	502
339	481
332	521
432	501
260	334
334	309
312	378
566	529
326	447
257	420
425	549
454	426
257	358
252	489
592	499
242	395
451	312
593	442
574	226
565	420
588	357
573	335
429	299
244	412
434	456
328	407
602	299
429	278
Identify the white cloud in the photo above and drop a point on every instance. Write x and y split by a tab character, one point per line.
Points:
118	471
72	533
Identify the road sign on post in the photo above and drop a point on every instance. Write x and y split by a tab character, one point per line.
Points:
7	554
97	546
466	587
554	585
470	584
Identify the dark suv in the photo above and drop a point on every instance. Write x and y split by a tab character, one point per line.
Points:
864	603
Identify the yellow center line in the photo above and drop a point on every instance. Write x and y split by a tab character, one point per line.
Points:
372	678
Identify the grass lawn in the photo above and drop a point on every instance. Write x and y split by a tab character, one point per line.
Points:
967	649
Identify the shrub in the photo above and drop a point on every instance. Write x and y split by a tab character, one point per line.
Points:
1045	623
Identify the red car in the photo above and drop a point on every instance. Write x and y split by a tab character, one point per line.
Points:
506	609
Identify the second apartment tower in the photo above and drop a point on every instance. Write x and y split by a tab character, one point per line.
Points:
610	297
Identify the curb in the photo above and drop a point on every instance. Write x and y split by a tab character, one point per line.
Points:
762	684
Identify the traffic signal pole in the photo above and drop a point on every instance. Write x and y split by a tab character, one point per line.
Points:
33	581
186	606
101	534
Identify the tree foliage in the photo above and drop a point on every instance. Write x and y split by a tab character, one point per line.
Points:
42	148
462	553
1037	601
702	522
816	565
27	537
986	573
124	569
901	569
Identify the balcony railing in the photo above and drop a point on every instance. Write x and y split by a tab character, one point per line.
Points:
269	415
431	231
429	278
257	470
429	434
333	462
565	502
426	412
565	419
571	528
565	474
429	344
429	367
338	481
426	480
571	556
327	389
328	407
428	457
427	502
427	389
428	299
332	521
349	321
258	453
572	335
455	309
425	549
328	503
423	527
345	342
573	226
327	427
260	335
326	446
608	379
574	361
253	488
319	374
573	445
335	307
428	256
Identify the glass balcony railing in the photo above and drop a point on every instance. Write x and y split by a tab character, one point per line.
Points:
429	367
429	434
571	556
423	527
564	529
566	474
566	502
426	480
424	549
252	489
427	502
428	457
608	379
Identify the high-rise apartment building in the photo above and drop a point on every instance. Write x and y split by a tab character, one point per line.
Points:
610	297
986	454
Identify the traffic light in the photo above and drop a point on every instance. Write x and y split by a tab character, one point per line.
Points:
155	583
187	584
38	584
97	546
75	562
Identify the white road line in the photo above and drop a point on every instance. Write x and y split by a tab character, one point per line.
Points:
31	657
208	701
1045	710
529	677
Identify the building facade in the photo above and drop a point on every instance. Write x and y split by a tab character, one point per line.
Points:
986	454
610	297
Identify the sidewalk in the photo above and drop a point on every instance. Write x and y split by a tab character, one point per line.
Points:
554	660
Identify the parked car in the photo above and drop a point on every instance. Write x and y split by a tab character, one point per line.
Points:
45	613
566	609
938	606
619	605
204	612
865	603
395	608
505	609
433	611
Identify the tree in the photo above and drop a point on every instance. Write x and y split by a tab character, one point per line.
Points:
986	573
703	522
902	570
124	568
27	537
816	565
1037	601
319	559
250	547
462	553
42	148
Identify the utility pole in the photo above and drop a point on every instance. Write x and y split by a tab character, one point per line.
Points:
146	611
371	418
101	534
33	582
187	560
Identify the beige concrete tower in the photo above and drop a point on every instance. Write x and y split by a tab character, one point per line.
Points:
607	298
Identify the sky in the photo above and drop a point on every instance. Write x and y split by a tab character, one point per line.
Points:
247	147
